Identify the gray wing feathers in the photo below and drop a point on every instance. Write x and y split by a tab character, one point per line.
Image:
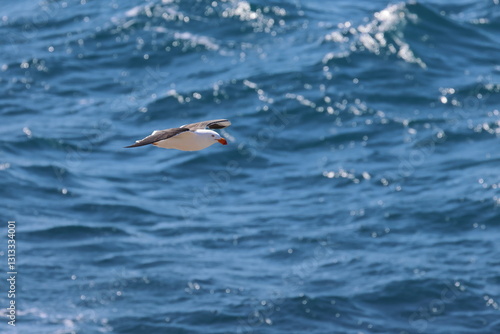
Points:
158	135
213	124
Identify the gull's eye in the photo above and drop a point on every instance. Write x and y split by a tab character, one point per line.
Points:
213	136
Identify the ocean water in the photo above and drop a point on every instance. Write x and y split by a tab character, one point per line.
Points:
359	191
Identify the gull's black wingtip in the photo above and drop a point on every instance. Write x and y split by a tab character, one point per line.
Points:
138	144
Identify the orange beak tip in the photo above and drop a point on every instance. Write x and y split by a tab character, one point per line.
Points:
223	141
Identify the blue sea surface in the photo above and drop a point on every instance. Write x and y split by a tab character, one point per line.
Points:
359	191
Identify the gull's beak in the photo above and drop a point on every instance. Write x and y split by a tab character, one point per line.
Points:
222	141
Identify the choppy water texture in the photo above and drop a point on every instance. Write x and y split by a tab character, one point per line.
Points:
359	192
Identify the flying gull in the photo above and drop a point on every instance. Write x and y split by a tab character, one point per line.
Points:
189	137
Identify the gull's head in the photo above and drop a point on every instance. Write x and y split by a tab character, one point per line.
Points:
213	136
218	138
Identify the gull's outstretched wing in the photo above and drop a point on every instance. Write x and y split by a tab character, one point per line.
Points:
213	124
158	135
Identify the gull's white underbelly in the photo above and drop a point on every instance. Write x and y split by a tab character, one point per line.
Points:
186	141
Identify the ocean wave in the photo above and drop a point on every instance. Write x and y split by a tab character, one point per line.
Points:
359	180
406	30
73	232
383	35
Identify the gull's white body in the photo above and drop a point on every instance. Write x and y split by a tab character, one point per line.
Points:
189	137
190	140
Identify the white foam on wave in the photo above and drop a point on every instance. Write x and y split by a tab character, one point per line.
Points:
260	21
164	10
133	12
196	40
241	10
384	33
167	12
